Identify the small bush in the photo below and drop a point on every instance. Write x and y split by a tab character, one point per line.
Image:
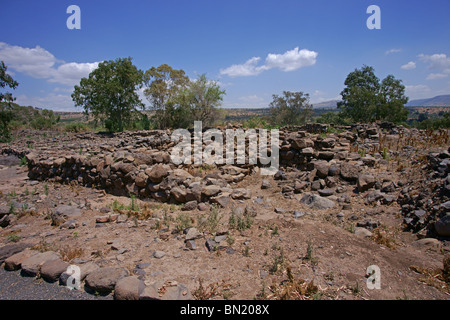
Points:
310	255
184	221
278	264
13	238
240	223
23	161
134	205
258	123
213	220
117	206
246	251
76	127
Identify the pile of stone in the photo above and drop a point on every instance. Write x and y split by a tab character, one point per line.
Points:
426	209
327	166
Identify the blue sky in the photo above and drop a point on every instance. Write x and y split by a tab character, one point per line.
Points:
254	49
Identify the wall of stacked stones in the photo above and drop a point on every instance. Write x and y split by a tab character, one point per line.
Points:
139	162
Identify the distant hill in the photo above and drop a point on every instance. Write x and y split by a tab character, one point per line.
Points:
438	101
326	104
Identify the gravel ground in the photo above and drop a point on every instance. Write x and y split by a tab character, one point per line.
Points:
15	287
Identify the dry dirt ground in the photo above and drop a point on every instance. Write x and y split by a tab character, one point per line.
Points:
319	247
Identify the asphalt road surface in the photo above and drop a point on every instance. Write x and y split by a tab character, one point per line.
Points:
15	287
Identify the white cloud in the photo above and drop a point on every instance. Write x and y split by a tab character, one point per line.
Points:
437	76
67	90
409	66
437	61
393	51
142	96
55	102
41	64
223	84
289	61
249	68
36	62
71	73
417	91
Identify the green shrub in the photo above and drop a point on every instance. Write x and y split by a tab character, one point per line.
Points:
76	127
258	123
23	161
240	223
183	222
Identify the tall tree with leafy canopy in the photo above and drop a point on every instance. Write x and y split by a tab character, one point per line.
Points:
365	99
5	102
201	99
293	108
109	93
163	84
360	96
393	100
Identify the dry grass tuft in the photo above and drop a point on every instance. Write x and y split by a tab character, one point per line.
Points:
68	253
44	246
384	237
438	278
294	289
216	289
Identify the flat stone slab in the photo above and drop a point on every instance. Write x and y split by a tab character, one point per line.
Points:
129	288
67	211
158	254
32	266
427	242
52	270
64	212
103	280
315	201
443	226
363	232
10	249
174	291
14	262
193	233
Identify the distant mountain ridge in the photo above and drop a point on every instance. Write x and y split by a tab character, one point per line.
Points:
326	104
438	101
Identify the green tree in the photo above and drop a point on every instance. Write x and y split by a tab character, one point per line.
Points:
293	108
365	99
6	99
109	93
360	96
163	85
200	100
392	105
332	118
44	120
